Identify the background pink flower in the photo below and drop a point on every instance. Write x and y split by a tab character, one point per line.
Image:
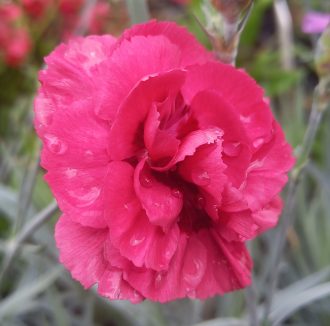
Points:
15	42
162	160
36	8
315	22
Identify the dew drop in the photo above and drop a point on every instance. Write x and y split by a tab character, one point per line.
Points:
216	209
255	227
158	280
200	202
194	275
126	206
232	149
255	165
89	156
203	179
245	119
177	193
241	238
83	198
71	173
258	142
146	181
55	145
135	242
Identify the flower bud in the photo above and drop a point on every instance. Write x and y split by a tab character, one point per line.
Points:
322	57
224	21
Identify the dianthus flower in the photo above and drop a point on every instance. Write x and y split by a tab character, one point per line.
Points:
162	160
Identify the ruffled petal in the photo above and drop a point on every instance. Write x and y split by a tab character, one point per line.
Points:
160	201
113	286
75	138
266	175
161	144
161	47
203	266
205	169
67	77
81	250
126	136
135	237
192	52
82	253
210	108
190	144
236	88
79	192
228	266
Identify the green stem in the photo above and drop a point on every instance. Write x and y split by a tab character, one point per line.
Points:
138	11
287	219
14	245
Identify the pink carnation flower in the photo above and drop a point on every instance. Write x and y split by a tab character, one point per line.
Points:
9	12
36	8
162	160
17	48
315	22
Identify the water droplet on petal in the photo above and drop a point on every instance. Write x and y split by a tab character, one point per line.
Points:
71	173
55	145
191	293
193	277
232	149
258	142
83	197
203	179
136	241
200	202
245	119
255	227
241	238
158	280
146	180
255	165
177	193
88	155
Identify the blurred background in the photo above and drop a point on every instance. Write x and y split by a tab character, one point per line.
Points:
277	48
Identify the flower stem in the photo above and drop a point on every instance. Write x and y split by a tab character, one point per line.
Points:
138	11
15	244
224	23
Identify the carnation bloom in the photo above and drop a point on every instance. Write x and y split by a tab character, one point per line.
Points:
162	160
315	22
